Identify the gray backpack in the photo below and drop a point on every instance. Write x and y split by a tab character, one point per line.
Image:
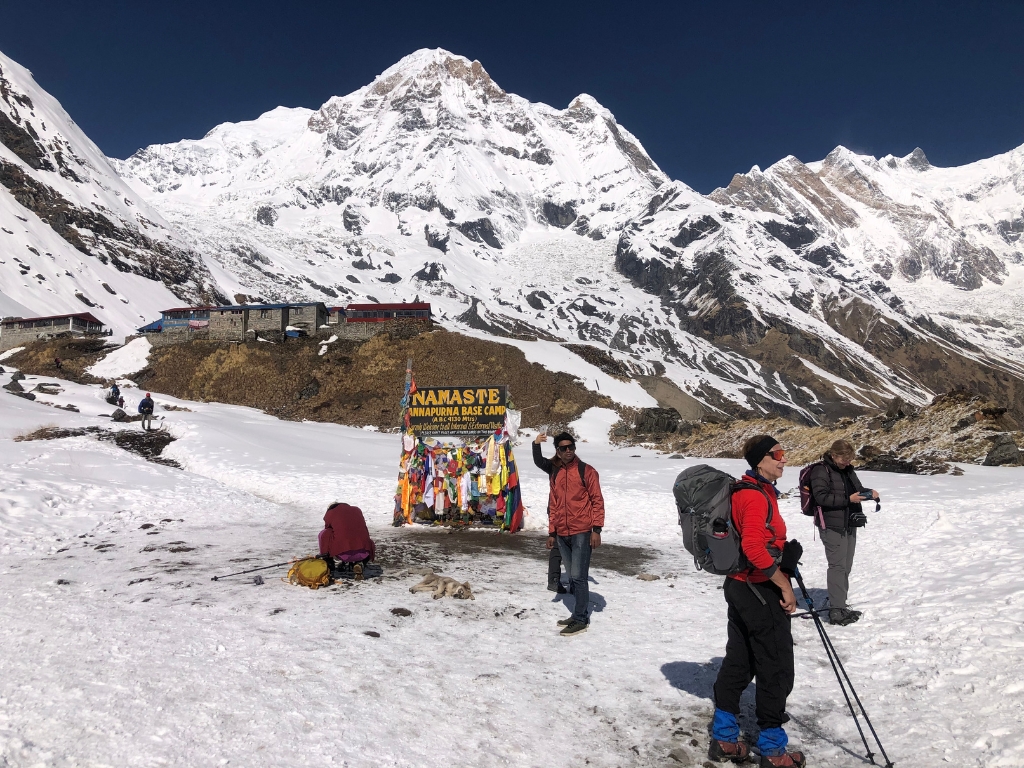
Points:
704	500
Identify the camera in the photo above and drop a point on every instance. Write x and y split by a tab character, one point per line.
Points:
866	494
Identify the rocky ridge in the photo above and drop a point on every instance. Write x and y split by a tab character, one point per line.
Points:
956	427
73	235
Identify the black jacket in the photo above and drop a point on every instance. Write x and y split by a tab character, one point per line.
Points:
831	488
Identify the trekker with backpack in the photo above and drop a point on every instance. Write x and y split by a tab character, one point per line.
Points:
831	491
575	520
760	600
146	406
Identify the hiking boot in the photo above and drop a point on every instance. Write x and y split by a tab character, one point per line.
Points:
574	628
556	586
565	622
842	616
357	569
788	760
720	751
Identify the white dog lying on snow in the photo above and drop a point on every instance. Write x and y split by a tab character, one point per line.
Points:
443	586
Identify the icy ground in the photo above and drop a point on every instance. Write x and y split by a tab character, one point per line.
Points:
118	649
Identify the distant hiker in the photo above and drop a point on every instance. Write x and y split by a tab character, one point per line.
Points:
575	520
345	538
115	392
760	599
836	491
120	402
57	363
146	409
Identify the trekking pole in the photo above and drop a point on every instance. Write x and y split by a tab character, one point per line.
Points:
828	652
837	667
252	570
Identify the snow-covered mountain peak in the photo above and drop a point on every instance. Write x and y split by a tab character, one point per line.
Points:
432	140
429	66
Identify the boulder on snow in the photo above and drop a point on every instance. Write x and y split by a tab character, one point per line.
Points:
888	462
657	421
868	452
17	376
1004	452
120	416
26	395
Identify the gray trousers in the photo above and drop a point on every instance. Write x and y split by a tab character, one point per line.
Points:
839	549
147	420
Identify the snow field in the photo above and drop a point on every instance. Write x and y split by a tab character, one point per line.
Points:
131	358
140	659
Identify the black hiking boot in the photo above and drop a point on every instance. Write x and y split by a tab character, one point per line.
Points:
565	622
574	628
788	760
842	616
556	586
720	751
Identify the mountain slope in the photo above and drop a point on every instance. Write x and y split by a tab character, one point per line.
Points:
73	235
802	290
808	290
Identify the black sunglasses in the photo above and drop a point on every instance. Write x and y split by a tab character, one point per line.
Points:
564	448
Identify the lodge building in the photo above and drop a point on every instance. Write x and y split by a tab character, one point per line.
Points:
246	322
16	331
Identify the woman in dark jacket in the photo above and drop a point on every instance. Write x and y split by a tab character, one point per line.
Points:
837	491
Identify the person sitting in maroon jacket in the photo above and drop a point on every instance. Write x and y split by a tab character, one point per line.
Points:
346	539
760	600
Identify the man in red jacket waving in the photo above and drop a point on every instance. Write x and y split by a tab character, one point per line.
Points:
575	519
760	600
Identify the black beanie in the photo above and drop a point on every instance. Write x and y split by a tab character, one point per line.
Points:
760	450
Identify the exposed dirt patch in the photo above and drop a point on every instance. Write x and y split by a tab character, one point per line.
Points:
360	383
76	355
148	445
602	360
403	548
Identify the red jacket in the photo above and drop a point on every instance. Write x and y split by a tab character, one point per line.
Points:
345	531
573	506
749	515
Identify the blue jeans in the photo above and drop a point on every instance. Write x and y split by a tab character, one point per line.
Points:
575	552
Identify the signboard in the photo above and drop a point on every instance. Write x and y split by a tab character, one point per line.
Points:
457	410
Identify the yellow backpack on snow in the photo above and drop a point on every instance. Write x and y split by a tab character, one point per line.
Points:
312	572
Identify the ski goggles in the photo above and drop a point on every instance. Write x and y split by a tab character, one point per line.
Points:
778	455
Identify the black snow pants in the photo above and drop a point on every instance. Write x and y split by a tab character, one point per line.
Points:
760	646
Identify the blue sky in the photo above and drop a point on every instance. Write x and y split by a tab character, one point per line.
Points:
709	88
